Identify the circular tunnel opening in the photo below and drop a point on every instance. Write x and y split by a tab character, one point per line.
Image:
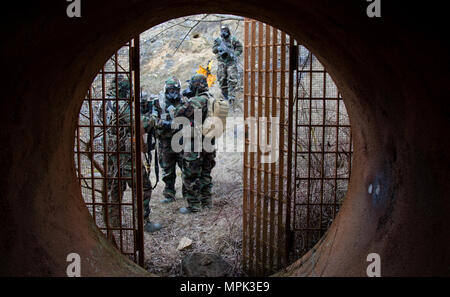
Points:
319	140
378	65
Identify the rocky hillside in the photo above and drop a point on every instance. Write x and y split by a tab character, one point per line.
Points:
179	46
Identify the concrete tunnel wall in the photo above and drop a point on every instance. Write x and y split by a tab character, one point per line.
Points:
393	73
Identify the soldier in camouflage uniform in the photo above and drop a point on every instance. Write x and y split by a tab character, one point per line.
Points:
162	114
124	167
197	166
227	49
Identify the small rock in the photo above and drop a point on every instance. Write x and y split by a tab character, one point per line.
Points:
184	243
205	265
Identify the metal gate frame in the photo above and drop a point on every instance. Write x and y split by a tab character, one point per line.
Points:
277	83
94	147
267	187
323	146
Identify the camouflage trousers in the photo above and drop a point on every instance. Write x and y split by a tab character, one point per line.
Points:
227	75
116	191
197	178
168	161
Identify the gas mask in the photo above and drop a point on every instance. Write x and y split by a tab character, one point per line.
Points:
225	33
173	94
189	92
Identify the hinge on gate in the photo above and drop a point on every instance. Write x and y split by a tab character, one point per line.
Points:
133	57
293	57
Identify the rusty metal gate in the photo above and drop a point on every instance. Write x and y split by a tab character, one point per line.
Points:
107	158
289	202
323	153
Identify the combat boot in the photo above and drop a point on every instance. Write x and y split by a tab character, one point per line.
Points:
168	200
207	203
189	209
151	227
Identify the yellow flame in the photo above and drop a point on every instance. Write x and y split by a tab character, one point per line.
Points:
210	78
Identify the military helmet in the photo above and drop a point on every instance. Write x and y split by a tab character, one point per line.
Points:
198	83
224	28
225	31
172	83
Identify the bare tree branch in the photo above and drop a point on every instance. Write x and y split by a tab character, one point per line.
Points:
219	19
165	29
192	28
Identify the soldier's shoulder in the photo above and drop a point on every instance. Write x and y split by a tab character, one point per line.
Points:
205	96
180	103
235	39
200	98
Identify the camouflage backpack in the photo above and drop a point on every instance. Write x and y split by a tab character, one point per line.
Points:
217	111
217	108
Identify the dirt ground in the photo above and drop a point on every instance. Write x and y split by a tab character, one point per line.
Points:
216	231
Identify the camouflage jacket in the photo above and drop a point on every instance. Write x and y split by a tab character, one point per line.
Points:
187	109
125	120
223	45
160	113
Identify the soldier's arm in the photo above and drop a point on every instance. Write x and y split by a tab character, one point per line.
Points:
188	108
146	123
143	131
183	110
238	48
154	120
216	46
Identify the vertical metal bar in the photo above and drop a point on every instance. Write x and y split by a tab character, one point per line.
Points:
91	145
245	210
294	211
258	163
133	152
137	118
79	154
309	152
252	154
322	180
281	156
105	157
292	64
336	157
273	165
350	156
119	179
266	165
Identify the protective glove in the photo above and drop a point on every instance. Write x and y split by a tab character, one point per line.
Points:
171	110
166	124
